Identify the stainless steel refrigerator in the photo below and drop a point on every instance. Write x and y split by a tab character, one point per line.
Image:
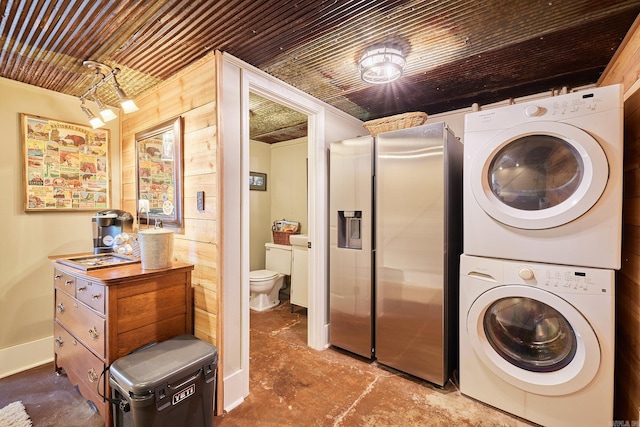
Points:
395	240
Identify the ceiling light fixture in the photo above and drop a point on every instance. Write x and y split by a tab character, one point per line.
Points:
381	64
103	74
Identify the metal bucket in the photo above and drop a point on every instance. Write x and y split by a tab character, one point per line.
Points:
156	248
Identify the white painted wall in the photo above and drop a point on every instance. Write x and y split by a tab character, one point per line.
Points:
259	205
26	285
285	164
289	181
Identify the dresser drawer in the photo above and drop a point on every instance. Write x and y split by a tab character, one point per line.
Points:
85	324
65	282
91	294
81	366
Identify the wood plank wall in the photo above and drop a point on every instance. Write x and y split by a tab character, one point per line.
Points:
624	68
191	94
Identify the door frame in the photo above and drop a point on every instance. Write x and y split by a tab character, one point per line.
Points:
236	80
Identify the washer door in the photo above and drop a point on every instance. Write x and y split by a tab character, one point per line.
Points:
533	339
539	175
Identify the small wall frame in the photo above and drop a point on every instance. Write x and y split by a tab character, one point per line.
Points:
257	181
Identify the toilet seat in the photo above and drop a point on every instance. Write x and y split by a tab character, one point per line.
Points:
262	275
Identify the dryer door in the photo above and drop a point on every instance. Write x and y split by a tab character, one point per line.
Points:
533	339
539	175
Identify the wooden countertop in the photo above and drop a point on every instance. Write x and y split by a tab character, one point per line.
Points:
118	273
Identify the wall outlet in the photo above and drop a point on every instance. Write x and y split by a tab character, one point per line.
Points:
200	201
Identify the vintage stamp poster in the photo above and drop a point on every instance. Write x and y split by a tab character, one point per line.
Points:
65	165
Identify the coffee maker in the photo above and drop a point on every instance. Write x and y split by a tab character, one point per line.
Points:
107	225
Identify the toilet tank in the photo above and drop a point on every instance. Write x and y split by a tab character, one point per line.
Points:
278	258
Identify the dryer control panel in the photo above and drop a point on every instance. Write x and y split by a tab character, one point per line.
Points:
555	108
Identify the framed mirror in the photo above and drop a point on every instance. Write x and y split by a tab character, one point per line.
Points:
159	174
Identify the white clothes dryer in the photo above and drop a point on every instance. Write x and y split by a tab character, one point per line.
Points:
543	180
537	340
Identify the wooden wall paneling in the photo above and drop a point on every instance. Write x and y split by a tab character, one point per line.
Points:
627	349
204	298
204	257
624	67
201	117
631	211
193	184
190	94
206	328
200	230
631	239
632	183
627	390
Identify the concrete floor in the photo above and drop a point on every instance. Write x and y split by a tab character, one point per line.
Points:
290	385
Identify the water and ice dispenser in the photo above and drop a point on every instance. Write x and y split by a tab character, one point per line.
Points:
350	229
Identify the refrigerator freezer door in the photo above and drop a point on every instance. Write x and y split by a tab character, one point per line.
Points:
350	248
410	251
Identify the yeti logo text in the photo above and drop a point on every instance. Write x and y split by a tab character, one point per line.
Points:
182	395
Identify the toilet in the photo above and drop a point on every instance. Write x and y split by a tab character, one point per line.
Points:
264	285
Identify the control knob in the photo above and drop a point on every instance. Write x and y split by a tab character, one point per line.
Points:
526	273
532	111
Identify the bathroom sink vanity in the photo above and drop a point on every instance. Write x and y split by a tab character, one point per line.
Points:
104	314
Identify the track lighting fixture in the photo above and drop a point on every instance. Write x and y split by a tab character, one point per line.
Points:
104	73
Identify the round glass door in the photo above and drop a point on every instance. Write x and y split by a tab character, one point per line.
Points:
539	175
530	334
533	340
535	172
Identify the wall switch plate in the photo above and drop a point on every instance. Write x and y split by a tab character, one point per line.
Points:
200	201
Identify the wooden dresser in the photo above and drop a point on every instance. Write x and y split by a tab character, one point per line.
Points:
104	314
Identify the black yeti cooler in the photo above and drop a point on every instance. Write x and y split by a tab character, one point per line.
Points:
171	383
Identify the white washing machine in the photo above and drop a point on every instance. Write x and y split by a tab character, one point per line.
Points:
543	180
537	340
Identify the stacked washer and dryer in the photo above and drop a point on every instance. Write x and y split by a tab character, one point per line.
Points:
542	238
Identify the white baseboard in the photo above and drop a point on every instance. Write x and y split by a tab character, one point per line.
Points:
234	390
25	356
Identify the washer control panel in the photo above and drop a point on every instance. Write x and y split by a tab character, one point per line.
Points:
559	278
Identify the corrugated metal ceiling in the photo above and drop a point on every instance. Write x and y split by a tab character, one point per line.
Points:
458	51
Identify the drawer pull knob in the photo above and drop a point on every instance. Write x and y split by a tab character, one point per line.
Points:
60	307
96	296
93	376
82	288
93	332
57	276
59	342
68	282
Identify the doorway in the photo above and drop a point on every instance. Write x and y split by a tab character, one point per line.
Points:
278	157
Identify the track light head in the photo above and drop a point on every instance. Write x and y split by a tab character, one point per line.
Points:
106	112
95	122
127	104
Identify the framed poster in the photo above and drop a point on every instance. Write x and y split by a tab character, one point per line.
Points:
66	165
